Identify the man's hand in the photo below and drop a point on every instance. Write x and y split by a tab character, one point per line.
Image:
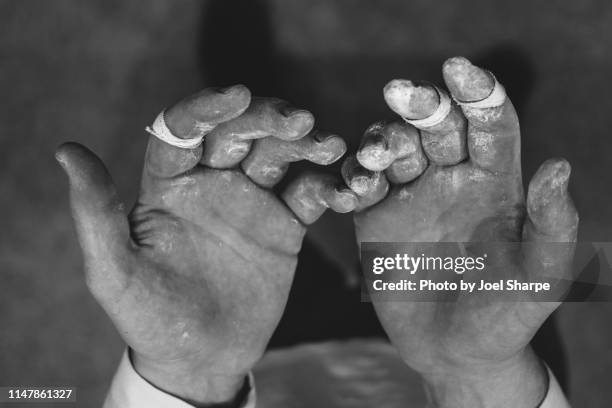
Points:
196	277
460	181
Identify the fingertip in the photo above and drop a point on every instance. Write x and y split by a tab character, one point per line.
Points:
237	90
208	107
72	155
466	81
410	99
330	149
347	199
61	152
67	148
552	176
374	153
312	193
362	181
549	204
238	95
300	122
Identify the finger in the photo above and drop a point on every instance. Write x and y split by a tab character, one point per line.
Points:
311	194
551	218
493	130
230	142
369	186
192	118
394	147
551	213
101	223
269	157
428	108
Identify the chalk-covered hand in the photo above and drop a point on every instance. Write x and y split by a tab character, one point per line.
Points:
196	277
458	179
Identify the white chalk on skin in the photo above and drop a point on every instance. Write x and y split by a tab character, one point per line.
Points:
160	130
496	98
437	116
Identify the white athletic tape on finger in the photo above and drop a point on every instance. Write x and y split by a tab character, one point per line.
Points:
160	130
496	98
441	112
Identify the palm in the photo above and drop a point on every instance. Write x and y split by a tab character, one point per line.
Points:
450	204
456	204
205	235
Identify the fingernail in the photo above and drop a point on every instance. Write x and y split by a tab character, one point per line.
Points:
59	159
301	122
359	179
374	153
549	184
375	136
290	111
232	89
322	137
560	174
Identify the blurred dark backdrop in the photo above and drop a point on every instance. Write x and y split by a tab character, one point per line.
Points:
98	71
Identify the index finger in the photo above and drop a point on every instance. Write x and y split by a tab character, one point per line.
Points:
192	118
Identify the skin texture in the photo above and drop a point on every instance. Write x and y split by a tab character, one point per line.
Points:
474	352
196	277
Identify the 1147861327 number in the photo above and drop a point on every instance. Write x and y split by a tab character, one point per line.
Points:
16	394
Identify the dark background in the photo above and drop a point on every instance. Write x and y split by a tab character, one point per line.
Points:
98	71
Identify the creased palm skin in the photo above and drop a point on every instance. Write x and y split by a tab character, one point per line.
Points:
450	204
211	265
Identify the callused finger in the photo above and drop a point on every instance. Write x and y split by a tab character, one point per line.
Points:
430	109
269	157
229	143
370	186
552	216
176	135
311	194
551	226
493	134
395	148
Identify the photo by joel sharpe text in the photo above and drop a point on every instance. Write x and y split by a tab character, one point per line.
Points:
428	285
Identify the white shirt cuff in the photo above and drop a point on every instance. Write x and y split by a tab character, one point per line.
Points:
130	390
554	397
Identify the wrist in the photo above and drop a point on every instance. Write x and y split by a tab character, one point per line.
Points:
521	381
191	381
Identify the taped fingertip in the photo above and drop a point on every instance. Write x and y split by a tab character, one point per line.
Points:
160	130
437	116
468	83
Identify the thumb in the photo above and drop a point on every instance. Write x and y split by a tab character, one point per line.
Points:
101	224
552	222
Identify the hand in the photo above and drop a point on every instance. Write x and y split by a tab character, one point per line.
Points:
460	181
197	276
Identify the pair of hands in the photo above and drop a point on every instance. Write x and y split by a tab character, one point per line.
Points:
197	275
